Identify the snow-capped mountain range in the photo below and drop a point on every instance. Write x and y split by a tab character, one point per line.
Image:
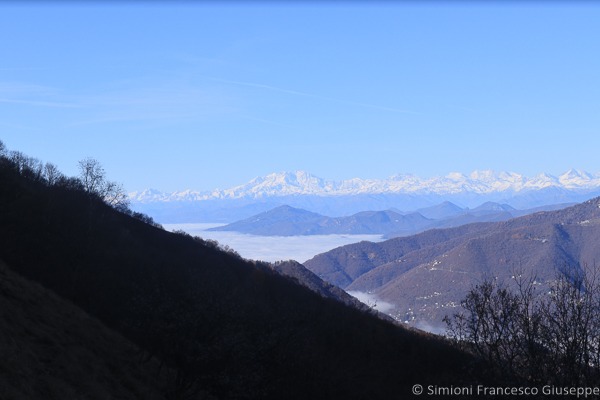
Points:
301	183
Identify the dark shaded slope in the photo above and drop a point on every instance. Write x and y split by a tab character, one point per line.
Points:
51	349
300	274
303	276
230	327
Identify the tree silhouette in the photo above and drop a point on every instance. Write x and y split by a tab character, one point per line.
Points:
93	178
543	336
52	174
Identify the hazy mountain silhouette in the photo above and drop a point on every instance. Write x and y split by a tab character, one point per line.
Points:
443	210
290	221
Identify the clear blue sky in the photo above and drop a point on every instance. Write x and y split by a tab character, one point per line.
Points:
203	96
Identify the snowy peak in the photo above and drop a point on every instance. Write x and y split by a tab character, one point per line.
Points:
280	184
575	178
304	183
148	196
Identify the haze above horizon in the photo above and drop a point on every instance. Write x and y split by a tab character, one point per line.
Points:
207	95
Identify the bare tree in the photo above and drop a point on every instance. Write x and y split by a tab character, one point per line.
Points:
52	174
491	325
28	167
114	195
93	178
548	336
571	322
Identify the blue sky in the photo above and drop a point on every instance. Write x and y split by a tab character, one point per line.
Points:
203	96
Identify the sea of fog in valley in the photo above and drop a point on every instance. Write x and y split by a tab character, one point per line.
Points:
272	248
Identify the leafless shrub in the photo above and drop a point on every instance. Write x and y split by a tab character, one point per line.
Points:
544	337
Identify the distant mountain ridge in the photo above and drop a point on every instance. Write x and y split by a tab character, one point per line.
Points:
290	221
407	193
304	183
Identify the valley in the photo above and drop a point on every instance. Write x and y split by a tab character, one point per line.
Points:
420	278
154	286
300	200
426	276
187	314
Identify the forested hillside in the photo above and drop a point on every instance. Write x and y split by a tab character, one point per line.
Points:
228	327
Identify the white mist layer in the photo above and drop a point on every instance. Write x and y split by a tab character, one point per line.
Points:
372	301
272	248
